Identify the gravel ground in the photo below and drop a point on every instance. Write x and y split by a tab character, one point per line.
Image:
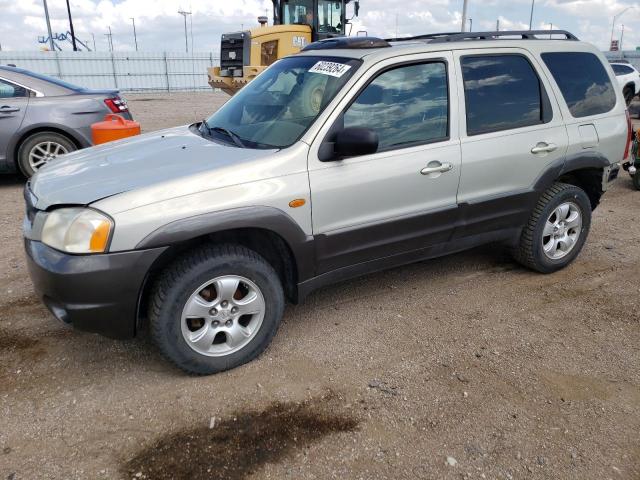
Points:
467	366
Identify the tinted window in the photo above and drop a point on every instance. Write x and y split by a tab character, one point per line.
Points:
502	92
583	81
10	90
621	69
407	105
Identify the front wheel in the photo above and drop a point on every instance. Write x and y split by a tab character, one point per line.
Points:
215	308
557	229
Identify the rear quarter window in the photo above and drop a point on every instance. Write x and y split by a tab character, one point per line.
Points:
621	69
583	81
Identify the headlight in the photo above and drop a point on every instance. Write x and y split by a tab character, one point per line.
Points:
77	230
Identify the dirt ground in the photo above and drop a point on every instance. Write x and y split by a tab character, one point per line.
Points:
467	366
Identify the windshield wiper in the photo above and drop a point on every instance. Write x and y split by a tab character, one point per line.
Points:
207	129
236	139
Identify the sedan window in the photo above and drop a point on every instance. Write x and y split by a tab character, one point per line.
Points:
10	90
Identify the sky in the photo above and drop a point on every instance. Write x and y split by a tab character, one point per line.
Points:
160	28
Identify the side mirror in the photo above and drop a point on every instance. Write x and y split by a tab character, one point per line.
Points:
355	141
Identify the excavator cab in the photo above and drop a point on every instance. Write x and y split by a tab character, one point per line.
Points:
296	23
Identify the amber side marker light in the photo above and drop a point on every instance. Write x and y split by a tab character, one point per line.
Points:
100	237
298	202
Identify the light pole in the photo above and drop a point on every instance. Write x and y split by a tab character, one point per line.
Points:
73	35
186	41
621	37
533	4
471	24
46	16
464	16
135	37
613	23
110	39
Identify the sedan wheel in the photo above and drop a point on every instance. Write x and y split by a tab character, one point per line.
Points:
43	152
40	148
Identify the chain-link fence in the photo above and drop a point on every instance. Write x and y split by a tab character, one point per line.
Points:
126	71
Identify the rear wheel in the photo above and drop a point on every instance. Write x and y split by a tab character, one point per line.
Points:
40	148
216	308
557	229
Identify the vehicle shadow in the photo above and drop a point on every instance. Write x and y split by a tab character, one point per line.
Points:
12	180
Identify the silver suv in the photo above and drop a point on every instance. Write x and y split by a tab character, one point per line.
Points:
357	155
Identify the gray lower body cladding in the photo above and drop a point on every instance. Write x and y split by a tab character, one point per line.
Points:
95	293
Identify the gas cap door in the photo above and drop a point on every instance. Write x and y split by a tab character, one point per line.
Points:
588	136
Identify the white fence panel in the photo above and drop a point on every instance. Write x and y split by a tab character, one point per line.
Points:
126	71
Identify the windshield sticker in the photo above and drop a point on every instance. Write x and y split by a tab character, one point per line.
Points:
330	68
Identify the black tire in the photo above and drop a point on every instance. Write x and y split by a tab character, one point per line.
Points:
529	252
636	181
629	94
179	281
30	143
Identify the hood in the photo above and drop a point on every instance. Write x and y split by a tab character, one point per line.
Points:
86	176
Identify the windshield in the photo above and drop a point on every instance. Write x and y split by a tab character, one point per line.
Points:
277	108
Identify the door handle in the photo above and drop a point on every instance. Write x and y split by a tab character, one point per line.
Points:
544	147
8	109
436	168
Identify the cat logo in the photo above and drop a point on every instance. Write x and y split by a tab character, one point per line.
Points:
299	42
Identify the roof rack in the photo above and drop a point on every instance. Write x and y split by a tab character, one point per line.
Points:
496	35
347	42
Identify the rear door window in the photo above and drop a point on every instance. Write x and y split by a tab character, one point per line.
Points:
583	81
502	92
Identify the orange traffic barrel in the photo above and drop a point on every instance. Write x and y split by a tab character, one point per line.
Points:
114	127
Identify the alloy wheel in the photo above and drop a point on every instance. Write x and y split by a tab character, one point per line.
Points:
223	315
44	152
562	230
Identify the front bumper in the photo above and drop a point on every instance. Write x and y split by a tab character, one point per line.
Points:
95	293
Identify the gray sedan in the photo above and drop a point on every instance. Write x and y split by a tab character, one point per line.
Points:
42	117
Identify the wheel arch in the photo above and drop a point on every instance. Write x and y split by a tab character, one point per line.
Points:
14	147
584	170
268	231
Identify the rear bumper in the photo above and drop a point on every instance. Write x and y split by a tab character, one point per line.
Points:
95	293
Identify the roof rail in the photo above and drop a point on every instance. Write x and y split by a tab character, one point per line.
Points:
495	35
347	42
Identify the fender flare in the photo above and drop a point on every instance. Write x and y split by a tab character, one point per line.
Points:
578	161
261	217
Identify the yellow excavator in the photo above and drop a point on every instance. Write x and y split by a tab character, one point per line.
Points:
296	23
